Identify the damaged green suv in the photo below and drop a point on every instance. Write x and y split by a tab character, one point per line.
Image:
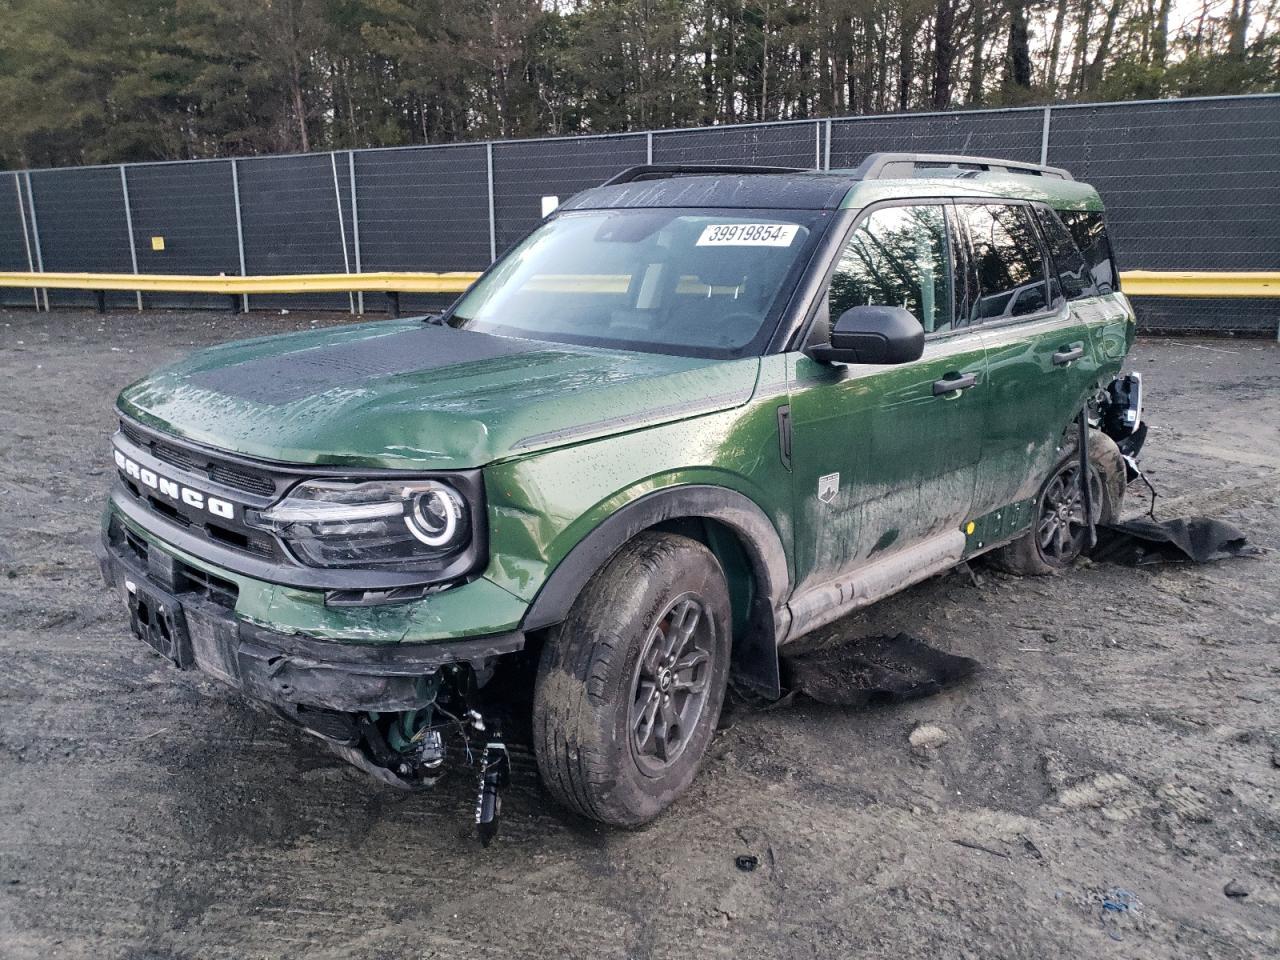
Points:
696	414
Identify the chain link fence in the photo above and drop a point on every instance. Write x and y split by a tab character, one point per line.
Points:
1189	184
420	208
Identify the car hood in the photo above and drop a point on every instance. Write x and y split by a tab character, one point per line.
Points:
404	394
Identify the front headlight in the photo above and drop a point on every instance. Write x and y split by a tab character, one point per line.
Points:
376	523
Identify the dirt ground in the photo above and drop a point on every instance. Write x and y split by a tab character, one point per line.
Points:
1089	793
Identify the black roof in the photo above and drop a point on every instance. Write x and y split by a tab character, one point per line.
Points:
783	188
766	191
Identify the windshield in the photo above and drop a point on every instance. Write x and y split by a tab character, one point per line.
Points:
699	283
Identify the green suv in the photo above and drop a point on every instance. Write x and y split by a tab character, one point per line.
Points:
699	412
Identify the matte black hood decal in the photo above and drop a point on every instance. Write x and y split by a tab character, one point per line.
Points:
286	377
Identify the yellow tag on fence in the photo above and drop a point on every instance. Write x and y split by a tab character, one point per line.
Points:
157	243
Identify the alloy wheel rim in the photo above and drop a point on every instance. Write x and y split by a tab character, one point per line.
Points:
1061	527
671	684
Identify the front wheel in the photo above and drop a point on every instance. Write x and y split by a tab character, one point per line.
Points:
1060	531
630	686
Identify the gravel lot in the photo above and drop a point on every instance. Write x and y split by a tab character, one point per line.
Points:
1112	767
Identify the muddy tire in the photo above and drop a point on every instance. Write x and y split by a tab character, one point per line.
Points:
1058	534
630	686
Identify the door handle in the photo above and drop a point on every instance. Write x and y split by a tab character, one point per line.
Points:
954	384
1067	354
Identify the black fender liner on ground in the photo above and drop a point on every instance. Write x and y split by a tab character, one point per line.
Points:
1181	540
755	655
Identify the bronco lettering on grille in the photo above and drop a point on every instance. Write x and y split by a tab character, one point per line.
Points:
173	490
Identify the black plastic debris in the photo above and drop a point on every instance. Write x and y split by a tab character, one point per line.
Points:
1185	540
746	862
875	670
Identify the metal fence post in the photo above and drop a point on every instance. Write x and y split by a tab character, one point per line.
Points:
342	226
26	237
817	144
1044	138
128	222
235	194
355	224
826	157
35	235
493	223
648	148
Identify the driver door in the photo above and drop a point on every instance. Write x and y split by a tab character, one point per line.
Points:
884	457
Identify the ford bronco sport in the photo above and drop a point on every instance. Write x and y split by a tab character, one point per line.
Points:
696	414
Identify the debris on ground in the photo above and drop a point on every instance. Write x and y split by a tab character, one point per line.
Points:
1030	848
1115	907
875	670
746	862
970	845
1236	890
1119	900
927	737
1184	540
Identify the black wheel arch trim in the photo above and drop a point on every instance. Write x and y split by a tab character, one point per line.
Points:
755	655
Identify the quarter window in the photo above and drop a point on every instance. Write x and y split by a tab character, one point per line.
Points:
1090	233
1072	278
897	257
1007	259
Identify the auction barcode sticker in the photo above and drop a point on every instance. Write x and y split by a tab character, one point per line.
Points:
748	235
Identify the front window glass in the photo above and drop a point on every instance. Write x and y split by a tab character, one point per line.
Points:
703	283
1007	257
897	257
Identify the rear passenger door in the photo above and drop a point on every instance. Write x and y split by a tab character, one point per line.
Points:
1040	361
882	458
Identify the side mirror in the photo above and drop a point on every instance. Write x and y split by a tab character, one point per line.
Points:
872	335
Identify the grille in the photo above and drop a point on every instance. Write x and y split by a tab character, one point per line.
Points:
187	579
242	480
135	544
250	542
215	589
243	539
195	461
190	460
134	436
177	457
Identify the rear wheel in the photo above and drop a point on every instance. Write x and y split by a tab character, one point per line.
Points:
1060	531
631	685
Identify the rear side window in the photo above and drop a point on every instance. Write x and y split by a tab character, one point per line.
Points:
1070	274
897	257
1007	259
1090	234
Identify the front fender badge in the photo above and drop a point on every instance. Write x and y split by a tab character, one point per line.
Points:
828	485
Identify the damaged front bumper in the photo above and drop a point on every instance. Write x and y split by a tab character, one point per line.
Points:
381	706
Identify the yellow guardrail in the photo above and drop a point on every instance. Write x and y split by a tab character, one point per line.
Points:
1139	283
1191	283
281	283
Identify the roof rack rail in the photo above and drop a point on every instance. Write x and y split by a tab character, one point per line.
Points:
887	166
663	171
